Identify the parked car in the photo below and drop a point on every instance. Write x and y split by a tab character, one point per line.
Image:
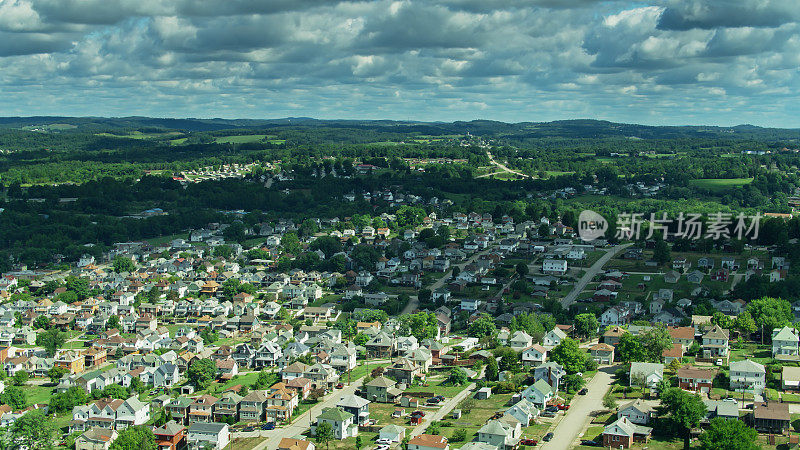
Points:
563	407
268	426
589	443
552	409
432	400
583	391
547	437
528	442
382	447
248	429
383	442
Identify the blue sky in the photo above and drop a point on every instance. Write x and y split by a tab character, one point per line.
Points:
717	62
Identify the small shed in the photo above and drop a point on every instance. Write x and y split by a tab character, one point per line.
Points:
483	393
456	414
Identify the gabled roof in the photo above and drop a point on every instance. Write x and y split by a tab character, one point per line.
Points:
334	414
747	366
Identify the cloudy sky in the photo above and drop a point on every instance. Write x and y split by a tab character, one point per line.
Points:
721	62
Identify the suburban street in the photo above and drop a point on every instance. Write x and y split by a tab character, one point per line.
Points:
413	301
273	437
579	414
443	411
590	273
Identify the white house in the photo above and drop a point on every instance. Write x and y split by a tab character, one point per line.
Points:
651	373
534	355
747	376
784	342
554	337
202	435
554	266
539	393
637	412
470	304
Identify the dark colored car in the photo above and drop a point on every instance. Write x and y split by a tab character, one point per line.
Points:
547	437
268	426
248	429
339	386
433	400
589	443
552	409
583	391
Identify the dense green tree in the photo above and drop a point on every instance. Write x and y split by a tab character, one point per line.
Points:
323	434
569	355
482	327
137	437
52	340
123	264
14	397
422	325
770	313
33	431
728	434
201	373
492	370
586	324
684	409
457	377
630	349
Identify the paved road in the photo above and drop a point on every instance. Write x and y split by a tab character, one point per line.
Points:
579	414
590	273
440	414
273	437
491	159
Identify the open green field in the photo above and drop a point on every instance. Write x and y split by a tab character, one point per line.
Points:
245	139
35	394
140	135
720	184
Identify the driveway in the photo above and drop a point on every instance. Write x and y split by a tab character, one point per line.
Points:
590	273
579	414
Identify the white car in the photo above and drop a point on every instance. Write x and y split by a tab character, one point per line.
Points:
383	442
382	447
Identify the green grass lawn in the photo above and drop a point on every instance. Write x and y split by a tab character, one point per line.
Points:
360	370
242	139
720	184
436	386
35	394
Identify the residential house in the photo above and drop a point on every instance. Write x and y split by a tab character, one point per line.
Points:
500	433
715	343
623	434
772	417
170	436
96	438
382	389
696	379
551	372
602	353
208	435
553	337
747	376
392	433
648	373
637	411
295	444
785	342
357	406
539	393
341	421
524	411
428	442
534	355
